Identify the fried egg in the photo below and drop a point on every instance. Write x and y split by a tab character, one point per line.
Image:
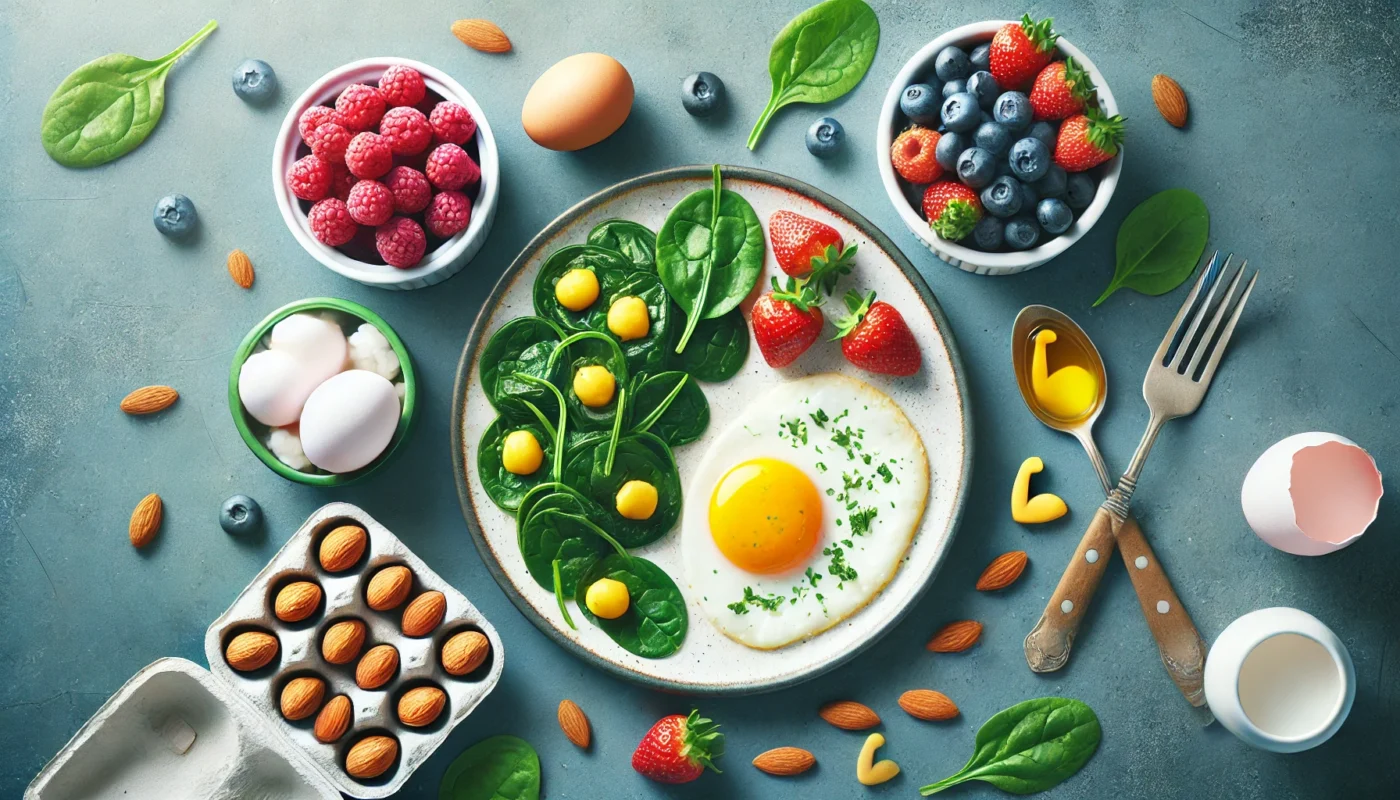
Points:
802	509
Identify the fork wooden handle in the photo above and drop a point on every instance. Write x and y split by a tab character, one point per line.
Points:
1048	644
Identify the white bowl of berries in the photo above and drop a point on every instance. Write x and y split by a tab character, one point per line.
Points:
998	179
387	173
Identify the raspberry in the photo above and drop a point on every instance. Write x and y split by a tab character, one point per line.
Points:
360	107
341	180
331	223
309	178
912	155
407	130
449	214
370	203
400	242
328	142
411	189
314	117
452	123
368	155
450	168
402	86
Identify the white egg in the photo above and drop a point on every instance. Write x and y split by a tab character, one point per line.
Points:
273	387
802	510
349	420
317	343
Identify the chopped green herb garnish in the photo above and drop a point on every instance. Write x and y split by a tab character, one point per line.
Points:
820	418
838	567
860	520
770	603
884	472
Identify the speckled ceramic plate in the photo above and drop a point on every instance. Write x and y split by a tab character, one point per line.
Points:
935	401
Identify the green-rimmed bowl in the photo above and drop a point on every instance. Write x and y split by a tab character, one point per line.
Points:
250	428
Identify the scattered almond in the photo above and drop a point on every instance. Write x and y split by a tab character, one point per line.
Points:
464	652
149	400
1003	571
928	705
574	723
371	756
424	614
240	269
377	667
480	34
421	705
251	650
1170	100
342	548
785	761
302	697
145	520
848	715
343	641
297	601
956	637
333	721
389	587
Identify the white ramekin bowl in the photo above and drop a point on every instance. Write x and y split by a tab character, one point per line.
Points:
450	256
892	122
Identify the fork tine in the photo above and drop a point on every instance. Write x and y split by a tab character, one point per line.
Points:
1204	348
1189	339
1175	327
1229	329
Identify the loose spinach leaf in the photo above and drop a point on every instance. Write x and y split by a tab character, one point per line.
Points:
670	405
588	349
655	622
107	107
559	531
709	254
499	768
1159	243
819	56
717	350
1030	746
505	488
633	240
522	345
641	457
610	267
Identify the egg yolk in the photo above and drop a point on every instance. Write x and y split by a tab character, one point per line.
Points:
636	500
628	318
577	289
594	386
521	453
765	516
607	598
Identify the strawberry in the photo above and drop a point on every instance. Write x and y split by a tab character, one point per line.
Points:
952	209
1087	140
912	155
1020	50
876	338
677	749
786	323
800	242
1061	89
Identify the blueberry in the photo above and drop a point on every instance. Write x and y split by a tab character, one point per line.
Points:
961	113
989	233
824	137
702	93
1003	198
920	104
254	81
1079	191
981	57
954	86
976	167
952	63
950	146
1045	132
985	88
1012	109
993	137
1022	233
1052	184
241	515
1053	215
175	216
1003	166
1030	159
1028	197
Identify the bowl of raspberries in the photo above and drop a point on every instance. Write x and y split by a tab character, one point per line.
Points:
386	172
1000	145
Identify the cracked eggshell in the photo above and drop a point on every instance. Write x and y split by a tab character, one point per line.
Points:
273	387
318	344
1312	493
349	420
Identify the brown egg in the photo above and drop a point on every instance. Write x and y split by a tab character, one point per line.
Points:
578	102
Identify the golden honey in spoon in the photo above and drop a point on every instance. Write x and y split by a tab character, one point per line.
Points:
1062	379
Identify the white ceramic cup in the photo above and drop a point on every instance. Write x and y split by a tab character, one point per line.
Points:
1258	657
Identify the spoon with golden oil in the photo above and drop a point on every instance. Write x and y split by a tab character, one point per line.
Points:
1062	380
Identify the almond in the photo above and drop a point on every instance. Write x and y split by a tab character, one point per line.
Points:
464	652
377	667
389	587
785	761
420	706
574	724
479	34
956	637
1170	100
371	756
297	601
149	400
342	548
251	650
424	614
928	705
145	520
240	269
848	715
343	641
1003	571
334	720
302	697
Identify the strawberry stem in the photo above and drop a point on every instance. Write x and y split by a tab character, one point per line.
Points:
859	306
703	743
1041	34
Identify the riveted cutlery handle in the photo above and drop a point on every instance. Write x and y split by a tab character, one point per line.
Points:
1048	644
1182	648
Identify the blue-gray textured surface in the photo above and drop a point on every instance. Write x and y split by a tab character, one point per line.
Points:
1293	140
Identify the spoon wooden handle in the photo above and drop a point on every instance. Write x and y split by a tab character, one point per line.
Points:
1048	644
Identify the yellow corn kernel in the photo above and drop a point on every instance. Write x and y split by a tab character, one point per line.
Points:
594	386
607	598
521	453
577	289
636	500
629	319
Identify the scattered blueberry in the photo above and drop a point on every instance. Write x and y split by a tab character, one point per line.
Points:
702	93
1012	109
1022	232
1030	159
950	146
985	88
981	57
1053	215
993	137
1003	198
976	167
254	81
175	216
1003	166
954	86
952	63
989	233
824	137
241	515
920	104
1079	191
1045	132
1052	183
1028	197
961	113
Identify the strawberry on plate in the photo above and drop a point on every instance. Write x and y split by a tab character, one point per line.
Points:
800	242
876	338
1087	140
1020	50
952	209
786	322
1061	89
677	749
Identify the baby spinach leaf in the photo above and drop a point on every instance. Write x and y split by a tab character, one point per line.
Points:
559	531
505	488
640	457
1030	746
670	405
610	267
819	56
636	242
522	345
498	768
709	254
1159	243
591	348
655	622
107	107
718	348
